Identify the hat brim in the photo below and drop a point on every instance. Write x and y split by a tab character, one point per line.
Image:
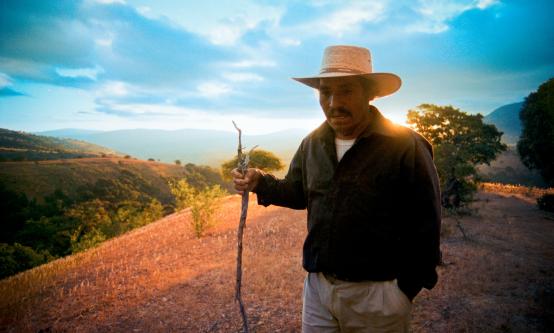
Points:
385	83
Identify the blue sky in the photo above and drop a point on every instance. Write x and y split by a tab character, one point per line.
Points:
101	64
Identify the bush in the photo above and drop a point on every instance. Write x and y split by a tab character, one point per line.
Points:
546	202
261	159
202	204
16	258
86	241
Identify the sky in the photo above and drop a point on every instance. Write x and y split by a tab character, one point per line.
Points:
168	64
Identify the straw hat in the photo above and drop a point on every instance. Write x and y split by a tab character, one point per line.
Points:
343	60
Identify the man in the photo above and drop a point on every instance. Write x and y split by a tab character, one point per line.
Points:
373	200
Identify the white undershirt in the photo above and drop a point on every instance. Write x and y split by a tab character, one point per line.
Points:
343	146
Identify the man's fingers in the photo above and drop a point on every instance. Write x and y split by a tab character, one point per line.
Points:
236	174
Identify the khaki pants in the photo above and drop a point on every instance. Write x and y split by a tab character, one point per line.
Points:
332	305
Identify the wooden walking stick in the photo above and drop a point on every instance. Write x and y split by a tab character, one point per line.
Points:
242	167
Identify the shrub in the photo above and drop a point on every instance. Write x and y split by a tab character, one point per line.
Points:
88	240
261	159
16	258
546	202
202	204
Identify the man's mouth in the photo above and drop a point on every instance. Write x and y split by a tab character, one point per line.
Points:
340	114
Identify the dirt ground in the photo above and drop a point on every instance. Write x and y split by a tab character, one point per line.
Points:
498	278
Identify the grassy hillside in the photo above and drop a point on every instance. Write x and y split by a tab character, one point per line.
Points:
160	278
21	146
50	209
40	178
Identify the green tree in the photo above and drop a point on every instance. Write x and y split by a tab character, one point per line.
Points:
461	141
259	158
202	203
16	258
93	224
536	144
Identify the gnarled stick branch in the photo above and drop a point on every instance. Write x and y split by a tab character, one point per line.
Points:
242	167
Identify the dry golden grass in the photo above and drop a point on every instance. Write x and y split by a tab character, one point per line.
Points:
160	278
518	190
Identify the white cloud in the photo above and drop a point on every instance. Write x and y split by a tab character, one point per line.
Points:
484	4
90	73
213	89
290	41
221	24
349	19
340	20
435	14
172	117
104	41
137	109
253	63
242	77
115	89
5	80
108	2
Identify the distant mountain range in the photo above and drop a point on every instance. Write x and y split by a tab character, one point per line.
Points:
208	147
506	119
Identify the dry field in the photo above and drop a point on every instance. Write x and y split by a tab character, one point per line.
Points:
161	279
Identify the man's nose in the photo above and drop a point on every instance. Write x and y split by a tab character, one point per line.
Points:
334	101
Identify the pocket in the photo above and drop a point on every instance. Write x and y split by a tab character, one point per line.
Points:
400	292
396	303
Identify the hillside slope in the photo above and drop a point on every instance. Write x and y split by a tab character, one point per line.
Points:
40	178
160	278
506	119
20	146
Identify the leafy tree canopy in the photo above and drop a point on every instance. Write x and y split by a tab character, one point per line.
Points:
536	144
259	158
461	141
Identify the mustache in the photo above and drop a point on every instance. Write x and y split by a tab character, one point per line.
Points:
337	112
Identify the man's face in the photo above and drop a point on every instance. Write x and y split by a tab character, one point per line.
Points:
345	104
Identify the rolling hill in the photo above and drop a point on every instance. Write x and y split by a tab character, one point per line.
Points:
506	119
38	179
21	146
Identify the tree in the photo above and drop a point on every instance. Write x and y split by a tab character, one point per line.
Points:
259	158
178	162
536	144
202	203
461	141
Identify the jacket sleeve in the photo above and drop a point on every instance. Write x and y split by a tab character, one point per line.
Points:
287	192
421	239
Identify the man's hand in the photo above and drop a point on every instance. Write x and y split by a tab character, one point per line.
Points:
248	182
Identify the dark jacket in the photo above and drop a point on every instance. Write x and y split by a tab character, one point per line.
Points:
375	215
